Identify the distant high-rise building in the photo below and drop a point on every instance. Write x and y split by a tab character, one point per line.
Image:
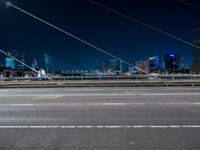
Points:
21	57
104	66
35	64
195	68
154	64
143	65
9	62
172	62
114	65
123	67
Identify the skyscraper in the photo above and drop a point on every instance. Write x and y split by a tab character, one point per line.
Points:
154	64
172	62
22	59
142	64
9	61
104	66
196	58
34	64
114	65
20	56
123	67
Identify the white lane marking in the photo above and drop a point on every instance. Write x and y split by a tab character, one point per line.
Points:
132	89
102	127
25	90
48	97
57	96
127	92
110	104
66	95
39	97
56	90
21	105
94	104
29	91
169	94
82	90
2	90
103	94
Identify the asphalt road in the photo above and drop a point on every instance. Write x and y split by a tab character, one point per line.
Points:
100	119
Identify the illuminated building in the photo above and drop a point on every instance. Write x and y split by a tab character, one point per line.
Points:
154	64
172	62
9	61
196	58
35	64
114	65
143	65
20	56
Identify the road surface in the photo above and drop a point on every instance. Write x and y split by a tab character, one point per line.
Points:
151	118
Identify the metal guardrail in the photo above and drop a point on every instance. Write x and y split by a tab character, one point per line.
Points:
96	83
102	81
135	77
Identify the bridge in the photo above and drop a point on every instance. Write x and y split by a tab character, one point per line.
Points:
142	112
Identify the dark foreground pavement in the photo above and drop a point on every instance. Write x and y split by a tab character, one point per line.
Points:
100	119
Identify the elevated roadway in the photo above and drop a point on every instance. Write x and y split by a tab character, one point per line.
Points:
119	118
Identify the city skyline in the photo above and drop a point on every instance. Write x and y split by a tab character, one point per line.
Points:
113	33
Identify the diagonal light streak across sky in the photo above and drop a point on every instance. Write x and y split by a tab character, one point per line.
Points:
143	23
71	35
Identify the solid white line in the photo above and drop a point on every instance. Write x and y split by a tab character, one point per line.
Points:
102	127
105	94
94	104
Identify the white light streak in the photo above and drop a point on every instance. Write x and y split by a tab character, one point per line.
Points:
144	24
73	36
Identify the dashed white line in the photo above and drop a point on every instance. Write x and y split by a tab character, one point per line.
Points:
21	104
197	103
169	94
110	104
132	89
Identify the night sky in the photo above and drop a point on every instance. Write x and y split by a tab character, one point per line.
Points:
109	31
